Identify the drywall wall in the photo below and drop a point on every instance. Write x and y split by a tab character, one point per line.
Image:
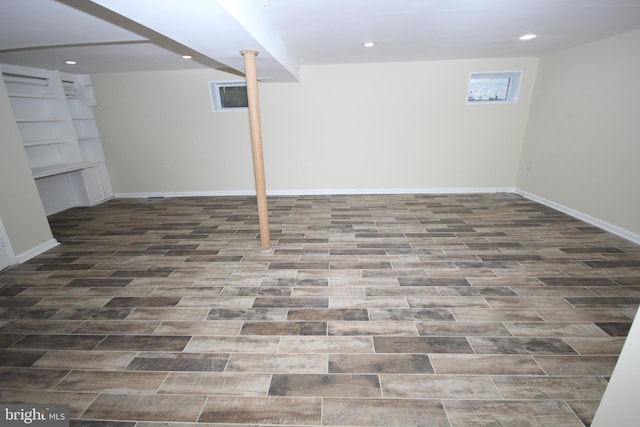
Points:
343	127
581	148
619	405
20	208
398	125
160	135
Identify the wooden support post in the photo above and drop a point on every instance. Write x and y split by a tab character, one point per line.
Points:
256	144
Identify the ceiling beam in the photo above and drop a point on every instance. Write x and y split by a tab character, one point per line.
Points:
149	34
218	30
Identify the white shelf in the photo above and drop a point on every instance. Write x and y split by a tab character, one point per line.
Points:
50	170
32	96
59	135
35	120
45	142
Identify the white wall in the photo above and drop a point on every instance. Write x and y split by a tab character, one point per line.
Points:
344	127
619	405
582	144
160	135
20	207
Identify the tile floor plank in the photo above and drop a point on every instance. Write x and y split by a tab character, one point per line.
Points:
216	383
549	412
384	412
325	385
263	410
145	407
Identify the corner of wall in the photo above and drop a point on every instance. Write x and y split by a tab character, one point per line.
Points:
611	228
37	250
21	209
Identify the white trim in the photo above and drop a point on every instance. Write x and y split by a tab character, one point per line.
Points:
321	192
184	194
366	191
35	251
5	246
626	234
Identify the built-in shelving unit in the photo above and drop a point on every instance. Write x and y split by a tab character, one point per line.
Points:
54	116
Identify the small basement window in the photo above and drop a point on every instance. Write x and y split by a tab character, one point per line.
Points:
229	96
493	87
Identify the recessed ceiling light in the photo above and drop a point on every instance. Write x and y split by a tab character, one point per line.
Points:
369	44
70	62
528	37
187	56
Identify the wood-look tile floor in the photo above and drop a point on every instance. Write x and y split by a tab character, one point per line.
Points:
392	310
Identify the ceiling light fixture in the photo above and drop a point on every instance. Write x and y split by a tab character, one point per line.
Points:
70	62
369	44
187	56
528	37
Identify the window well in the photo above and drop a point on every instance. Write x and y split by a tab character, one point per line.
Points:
493	87
229	96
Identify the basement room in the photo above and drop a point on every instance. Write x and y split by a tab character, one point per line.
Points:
319	213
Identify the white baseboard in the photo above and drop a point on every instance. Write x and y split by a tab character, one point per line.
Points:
324	192
367	191
614	229
184	194
33	252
